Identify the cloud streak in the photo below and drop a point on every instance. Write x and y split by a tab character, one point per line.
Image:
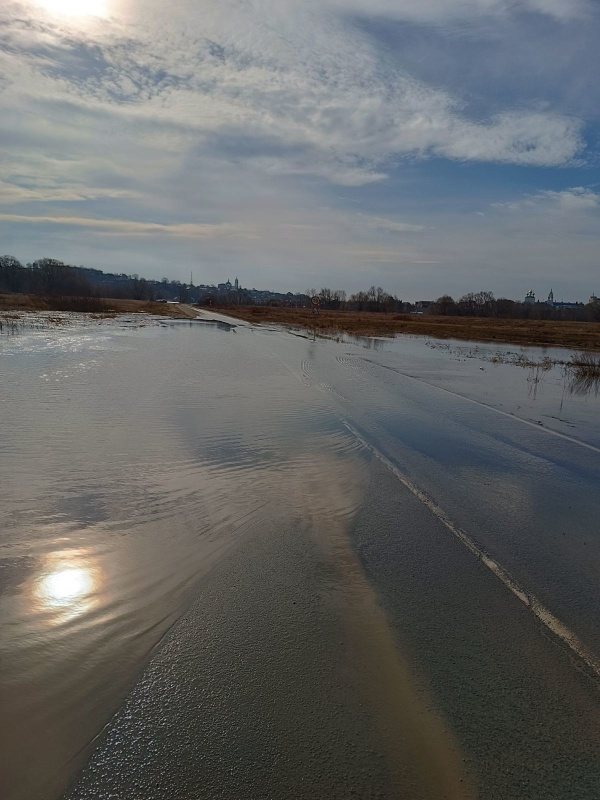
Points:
121	227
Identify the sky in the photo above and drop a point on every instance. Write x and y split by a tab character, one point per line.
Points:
427	146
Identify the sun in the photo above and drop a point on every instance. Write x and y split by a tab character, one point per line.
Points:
75	8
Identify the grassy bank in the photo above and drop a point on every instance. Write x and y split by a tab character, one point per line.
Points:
578	335
90	305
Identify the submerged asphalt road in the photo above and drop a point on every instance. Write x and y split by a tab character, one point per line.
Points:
478	536
394	593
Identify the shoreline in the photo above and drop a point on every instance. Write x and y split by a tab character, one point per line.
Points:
534	333
109	306
576	336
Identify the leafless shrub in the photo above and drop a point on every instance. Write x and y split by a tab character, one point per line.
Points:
584	369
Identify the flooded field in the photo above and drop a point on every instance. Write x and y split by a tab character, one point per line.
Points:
241	562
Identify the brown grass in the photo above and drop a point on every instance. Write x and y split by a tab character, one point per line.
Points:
94	305
147	307
580	335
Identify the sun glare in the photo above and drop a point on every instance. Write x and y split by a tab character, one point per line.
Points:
66	586
76	8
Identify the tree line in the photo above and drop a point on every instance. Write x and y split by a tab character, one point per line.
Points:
374	299
484	304
473	304
51	278
44	277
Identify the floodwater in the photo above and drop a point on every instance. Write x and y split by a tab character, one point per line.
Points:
240	562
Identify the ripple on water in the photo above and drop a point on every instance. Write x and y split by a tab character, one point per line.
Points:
130	465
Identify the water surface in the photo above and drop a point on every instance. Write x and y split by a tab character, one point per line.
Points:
236	491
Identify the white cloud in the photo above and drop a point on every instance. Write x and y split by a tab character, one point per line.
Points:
576	199
441	11
300	79
567	201
243	114
385	224
538	139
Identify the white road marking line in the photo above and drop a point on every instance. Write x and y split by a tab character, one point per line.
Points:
548	619
490	408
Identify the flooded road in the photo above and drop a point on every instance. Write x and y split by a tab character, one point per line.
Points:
246	563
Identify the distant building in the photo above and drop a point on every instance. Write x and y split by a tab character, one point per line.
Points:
235	293
564	304
561	303
530	297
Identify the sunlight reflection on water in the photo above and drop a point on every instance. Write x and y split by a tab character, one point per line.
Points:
65	587
69	584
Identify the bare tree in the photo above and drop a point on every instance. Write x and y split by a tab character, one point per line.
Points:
11	276
444	305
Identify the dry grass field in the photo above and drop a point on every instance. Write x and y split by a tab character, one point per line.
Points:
93	305
579	335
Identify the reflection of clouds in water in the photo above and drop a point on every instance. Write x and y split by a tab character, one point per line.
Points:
14	572
83	507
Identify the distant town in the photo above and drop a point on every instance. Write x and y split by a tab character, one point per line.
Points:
230	293
52	278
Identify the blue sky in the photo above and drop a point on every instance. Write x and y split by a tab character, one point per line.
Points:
428	146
